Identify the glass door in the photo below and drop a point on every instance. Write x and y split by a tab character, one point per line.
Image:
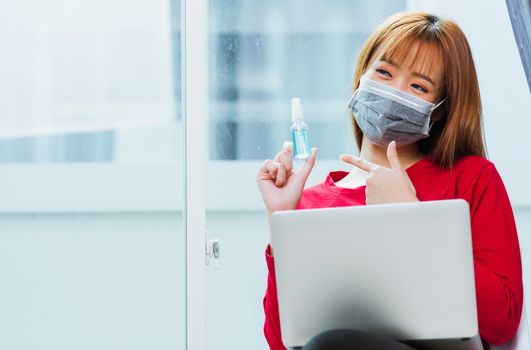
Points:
262	54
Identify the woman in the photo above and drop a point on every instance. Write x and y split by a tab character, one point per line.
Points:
417	123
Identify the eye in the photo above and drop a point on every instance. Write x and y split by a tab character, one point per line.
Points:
418	87
383	72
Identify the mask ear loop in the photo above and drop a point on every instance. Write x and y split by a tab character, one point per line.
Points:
438	104
435	107
431	124
351	100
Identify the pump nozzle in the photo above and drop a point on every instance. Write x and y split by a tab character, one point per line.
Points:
296	109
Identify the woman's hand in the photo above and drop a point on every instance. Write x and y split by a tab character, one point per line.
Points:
281	186
385	185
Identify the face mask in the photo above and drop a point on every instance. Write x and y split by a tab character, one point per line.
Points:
385	114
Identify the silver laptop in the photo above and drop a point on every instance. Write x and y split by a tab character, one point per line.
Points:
404	271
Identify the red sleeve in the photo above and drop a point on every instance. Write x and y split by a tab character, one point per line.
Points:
497	262
272	320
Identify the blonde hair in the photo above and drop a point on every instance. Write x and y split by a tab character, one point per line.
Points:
459	131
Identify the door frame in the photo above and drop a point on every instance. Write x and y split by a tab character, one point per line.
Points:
194	49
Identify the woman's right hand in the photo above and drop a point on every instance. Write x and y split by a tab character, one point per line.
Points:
281	186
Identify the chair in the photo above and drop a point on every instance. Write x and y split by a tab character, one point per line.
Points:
521	340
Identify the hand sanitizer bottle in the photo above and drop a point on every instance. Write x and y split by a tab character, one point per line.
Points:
299	131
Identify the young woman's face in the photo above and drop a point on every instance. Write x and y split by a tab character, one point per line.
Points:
421	79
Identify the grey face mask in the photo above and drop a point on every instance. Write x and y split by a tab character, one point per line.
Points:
385	114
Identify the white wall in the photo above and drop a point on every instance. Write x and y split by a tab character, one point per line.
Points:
91	281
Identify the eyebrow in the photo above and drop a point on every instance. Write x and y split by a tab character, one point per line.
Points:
417	74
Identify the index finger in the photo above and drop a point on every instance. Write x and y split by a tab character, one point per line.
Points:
358	162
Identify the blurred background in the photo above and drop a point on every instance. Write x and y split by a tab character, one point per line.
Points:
91	153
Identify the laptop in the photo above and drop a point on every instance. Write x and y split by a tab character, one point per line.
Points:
401	270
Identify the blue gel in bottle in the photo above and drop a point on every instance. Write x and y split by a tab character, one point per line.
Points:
299	131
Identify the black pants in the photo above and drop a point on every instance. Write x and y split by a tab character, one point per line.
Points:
346	339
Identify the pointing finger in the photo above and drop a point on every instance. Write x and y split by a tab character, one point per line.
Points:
358	162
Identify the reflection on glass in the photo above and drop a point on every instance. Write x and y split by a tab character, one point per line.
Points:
81	78
264	53
100	79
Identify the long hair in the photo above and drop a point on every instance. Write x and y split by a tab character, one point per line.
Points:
459	131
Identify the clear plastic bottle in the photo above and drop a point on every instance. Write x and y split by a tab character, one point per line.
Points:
299	131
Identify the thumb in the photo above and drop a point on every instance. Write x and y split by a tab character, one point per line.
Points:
308	164
392	156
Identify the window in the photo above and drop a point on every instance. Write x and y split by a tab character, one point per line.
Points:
264	53
86	81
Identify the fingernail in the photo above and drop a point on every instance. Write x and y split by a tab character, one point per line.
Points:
350	157
312	154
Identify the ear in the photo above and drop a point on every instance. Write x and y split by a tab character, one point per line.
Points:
435	117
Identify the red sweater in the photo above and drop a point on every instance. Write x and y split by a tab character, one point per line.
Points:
497	264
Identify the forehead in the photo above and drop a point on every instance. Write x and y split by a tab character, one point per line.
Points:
416	56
